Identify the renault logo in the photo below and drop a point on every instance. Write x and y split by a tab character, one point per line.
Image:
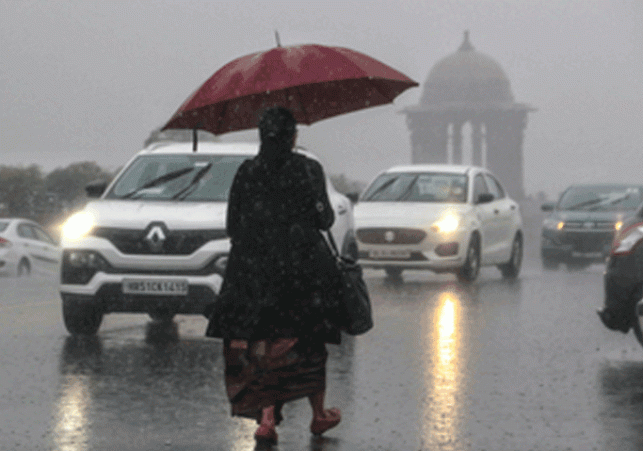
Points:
155	239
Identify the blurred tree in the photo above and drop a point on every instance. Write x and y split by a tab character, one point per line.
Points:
19	188
68	184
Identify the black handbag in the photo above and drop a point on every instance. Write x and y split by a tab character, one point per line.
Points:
353	295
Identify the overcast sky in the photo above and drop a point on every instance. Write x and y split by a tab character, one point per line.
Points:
88	80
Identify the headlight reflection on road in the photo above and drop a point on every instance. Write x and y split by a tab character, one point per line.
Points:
71	430
443	373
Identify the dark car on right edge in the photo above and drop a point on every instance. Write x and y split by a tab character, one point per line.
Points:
580	227
623	279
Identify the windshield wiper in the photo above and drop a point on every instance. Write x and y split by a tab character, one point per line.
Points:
159	181
617	199
409	188
382	187
598	202
185	192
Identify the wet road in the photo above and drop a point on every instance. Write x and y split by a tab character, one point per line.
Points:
497	366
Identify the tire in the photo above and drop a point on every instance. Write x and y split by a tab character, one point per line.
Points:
637	323
393	272
24	268
511	269
550	264
162	316
468	273
81	319
577	266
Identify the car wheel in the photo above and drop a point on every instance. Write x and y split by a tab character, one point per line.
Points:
550	264
24	268
81	319
638	320
469	271
162	316
393	272
577	266
511	269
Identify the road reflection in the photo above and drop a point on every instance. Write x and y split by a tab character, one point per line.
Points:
442	372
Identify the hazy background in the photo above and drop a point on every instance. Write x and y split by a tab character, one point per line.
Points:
89	80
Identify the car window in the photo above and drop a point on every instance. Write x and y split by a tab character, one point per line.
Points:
213	185
479	186
418	187
494	186
26	231
601	198
3	226
43	236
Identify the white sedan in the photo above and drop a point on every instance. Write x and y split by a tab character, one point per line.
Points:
26	248
444	218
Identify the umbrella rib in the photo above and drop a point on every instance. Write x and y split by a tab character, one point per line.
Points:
301	105
224	108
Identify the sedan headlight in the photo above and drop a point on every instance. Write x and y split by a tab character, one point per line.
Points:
553	224
449	223
77	226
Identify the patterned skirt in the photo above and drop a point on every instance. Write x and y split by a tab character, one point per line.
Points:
264	373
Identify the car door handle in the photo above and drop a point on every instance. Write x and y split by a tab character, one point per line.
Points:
496	211
513	207
341	209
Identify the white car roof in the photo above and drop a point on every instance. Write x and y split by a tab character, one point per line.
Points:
449	168
212	148
239	148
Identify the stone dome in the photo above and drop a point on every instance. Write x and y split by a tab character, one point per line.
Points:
466	77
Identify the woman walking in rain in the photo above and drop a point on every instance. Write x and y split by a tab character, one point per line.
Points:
271	312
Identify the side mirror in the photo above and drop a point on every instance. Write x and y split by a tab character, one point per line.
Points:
485	198
548	206
352	197
96	188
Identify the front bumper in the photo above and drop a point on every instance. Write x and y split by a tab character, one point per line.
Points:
423	255
570	246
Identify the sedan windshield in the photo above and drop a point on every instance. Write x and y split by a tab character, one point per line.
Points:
601	198
189	177
418	187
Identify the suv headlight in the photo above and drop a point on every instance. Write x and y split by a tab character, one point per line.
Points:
553	224
78	226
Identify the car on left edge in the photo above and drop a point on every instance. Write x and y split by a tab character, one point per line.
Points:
26	248
154	240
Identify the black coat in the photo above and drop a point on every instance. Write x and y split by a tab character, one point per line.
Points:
281	276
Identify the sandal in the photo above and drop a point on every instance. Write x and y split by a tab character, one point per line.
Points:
332	417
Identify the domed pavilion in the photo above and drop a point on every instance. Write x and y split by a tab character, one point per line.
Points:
467	105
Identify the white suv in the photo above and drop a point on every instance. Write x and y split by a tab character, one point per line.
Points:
154	240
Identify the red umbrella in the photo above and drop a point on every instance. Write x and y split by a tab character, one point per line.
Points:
315	82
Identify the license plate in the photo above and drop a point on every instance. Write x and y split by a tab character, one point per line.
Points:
587	254
390	253
168	287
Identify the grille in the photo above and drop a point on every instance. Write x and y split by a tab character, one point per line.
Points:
177	242
589	225
589	241
393	235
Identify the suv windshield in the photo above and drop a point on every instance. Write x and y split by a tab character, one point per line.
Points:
198	177
418	187
601	198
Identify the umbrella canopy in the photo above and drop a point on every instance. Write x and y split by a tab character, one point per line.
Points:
315	82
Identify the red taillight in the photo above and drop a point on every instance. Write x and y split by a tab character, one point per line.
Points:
627	239
4	242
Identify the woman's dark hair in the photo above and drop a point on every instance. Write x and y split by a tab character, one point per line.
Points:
277	123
